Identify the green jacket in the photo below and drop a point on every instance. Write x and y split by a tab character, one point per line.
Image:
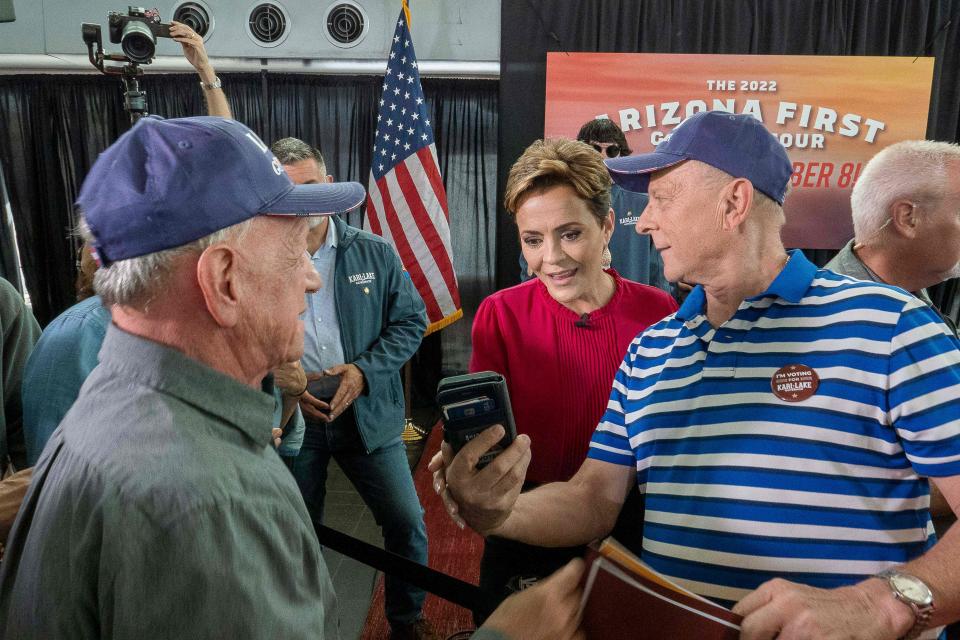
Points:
20	332
382	320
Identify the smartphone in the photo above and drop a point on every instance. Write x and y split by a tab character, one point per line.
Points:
470	404
324	387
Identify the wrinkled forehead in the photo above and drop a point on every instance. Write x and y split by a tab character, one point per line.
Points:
276	234
676	175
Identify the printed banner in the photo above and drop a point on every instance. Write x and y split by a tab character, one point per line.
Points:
831	113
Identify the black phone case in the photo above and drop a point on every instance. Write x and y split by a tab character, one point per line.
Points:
461	429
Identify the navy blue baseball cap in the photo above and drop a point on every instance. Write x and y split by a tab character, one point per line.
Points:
737	144
165	183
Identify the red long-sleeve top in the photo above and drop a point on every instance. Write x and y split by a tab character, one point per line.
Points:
559	374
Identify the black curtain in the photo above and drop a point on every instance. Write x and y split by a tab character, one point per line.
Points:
531	28
53	126
9	264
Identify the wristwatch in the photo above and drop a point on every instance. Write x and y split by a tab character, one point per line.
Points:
911	591
216	84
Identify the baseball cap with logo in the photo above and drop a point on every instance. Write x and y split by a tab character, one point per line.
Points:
738	144
165	183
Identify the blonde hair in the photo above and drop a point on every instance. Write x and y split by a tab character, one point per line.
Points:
556	162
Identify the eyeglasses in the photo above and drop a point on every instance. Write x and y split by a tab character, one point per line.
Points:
612	149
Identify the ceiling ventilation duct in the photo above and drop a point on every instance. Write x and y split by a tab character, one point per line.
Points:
311	36
195	15
268	24
346	24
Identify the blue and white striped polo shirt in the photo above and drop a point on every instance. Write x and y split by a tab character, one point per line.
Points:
742	486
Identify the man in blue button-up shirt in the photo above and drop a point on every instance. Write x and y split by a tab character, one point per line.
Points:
359	328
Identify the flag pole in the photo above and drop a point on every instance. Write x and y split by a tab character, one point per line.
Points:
411	432
407	201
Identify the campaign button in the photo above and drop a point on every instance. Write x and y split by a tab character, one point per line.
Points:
794	382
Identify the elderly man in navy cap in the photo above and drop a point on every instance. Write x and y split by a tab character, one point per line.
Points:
782	424
160	503
159	507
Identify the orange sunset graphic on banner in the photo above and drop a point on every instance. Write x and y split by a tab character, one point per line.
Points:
831	113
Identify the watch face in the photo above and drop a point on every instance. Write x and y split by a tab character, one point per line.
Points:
912	589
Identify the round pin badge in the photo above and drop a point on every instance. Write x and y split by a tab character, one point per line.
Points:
794	382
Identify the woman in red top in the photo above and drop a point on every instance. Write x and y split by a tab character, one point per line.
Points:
558	338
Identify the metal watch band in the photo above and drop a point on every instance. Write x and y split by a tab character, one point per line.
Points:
921	622
216	84
922	614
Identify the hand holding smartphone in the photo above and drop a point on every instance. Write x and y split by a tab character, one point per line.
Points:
315	403
470	404
324	387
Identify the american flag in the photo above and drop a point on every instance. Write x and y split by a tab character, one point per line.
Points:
406	201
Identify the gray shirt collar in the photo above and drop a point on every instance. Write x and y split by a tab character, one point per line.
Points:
850	264
165	369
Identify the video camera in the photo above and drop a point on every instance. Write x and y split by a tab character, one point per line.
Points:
136	32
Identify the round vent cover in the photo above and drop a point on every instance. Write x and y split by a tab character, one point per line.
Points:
195	15
268	24
346	24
